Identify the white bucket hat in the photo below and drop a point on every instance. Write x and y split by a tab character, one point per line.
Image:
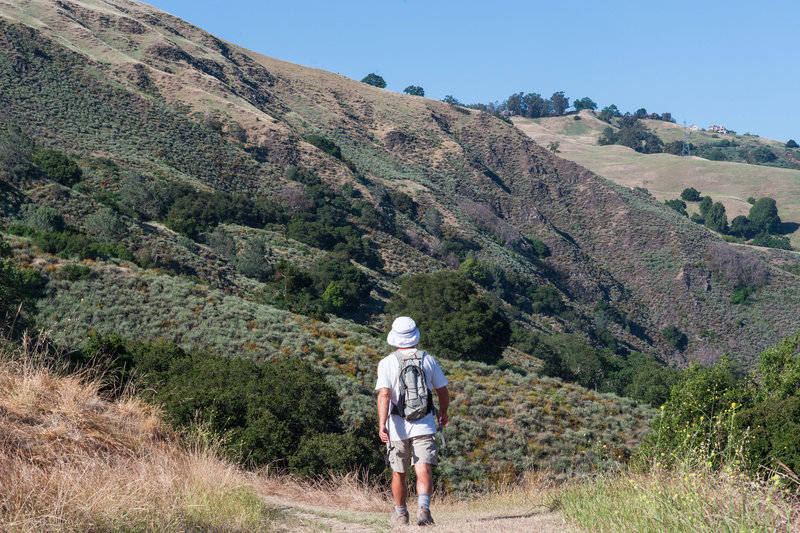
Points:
404	333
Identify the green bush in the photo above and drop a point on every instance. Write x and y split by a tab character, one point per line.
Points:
58	166
675	337
690	194
771	241
677	205
19	290
278	413
455	322
42	218
73	244
327	146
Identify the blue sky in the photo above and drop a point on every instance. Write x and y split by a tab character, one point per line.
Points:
732	63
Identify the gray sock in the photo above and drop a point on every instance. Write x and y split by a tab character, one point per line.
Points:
424	500
400	510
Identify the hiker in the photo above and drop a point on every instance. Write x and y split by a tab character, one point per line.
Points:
410	431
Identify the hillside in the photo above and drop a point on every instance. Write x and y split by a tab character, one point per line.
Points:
665	175
83	462
204	165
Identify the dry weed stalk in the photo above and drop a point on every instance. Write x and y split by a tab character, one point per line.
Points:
71	460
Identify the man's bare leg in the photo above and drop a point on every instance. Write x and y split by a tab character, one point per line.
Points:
399	488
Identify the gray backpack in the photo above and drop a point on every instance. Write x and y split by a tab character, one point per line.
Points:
415	400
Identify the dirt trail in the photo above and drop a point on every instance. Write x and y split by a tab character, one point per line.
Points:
325	518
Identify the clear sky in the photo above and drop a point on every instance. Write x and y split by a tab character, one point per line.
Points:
734	63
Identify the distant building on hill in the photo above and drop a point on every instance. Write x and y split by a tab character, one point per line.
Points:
694	127
718	129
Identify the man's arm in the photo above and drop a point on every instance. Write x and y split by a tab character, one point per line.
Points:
444	401
383	413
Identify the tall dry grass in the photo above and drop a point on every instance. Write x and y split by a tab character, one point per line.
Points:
72	460
689	496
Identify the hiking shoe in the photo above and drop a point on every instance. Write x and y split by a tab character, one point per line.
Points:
424	517
399	519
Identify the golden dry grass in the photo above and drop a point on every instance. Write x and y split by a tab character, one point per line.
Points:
71	460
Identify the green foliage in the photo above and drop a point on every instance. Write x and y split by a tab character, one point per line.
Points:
762	154
252	261
690	194
584	103
266	414
452	100
107	226
351	286
711	412
414	90
403	203
189	211
42	218
326	145
609	112
791	143
19	290
740	227
58	166
716	219
675	337
698	414
539	247
677	205
705	205
74	272
741	293
764	217
374	80
72	244
633	134
456	323
771	241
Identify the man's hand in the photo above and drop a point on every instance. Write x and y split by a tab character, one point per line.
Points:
383	433
444	401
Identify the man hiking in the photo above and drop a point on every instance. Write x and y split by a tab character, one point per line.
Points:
407	418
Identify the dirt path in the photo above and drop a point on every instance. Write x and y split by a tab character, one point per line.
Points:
323	518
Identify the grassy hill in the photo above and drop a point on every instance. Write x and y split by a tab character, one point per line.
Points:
665	175
288	163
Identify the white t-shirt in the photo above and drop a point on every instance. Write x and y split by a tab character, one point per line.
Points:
388	377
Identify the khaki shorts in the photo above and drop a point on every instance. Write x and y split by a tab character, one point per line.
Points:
420	449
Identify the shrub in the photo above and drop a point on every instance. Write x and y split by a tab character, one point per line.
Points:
42	218
58	166
675	337
107	225
677	205
690	194
771	241
329	147
266	414
455	322
19	289
791	143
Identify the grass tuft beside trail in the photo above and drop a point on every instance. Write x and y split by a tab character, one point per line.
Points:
685	498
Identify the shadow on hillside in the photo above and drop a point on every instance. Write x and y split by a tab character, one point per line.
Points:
788	227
